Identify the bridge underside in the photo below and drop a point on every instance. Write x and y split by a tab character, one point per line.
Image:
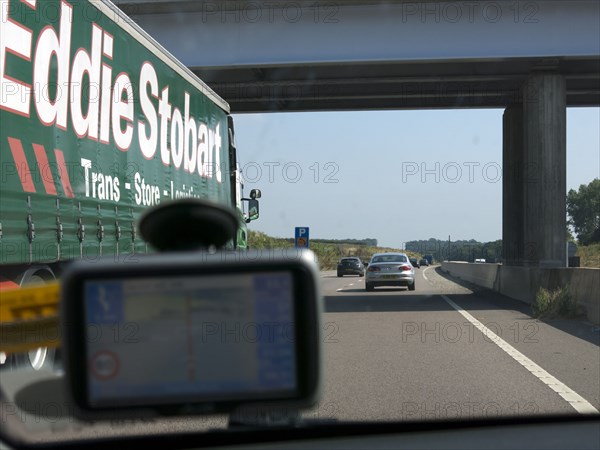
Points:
491	83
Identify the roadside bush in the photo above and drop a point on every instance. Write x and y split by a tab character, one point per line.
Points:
558	303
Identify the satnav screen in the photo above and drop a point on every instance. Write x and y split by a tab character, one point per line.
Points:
189	339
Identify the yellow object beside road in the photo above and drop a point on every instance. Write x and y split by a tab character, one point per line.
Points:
29	318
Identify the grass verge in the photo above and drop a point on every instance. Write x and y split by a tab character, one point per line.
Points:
328	255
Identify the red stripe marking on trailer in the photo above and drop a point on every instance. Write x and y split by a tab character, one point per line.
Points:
16	149
64	175
44	167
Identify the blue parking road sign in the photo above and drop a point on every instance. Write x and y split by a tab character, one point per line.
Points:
301	237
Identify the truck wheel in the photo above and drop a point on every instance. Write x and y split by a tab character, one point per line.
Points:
339	275
43	357
40	357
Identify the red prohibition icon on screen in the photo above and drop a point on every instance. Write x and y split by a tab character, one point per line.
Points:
104	365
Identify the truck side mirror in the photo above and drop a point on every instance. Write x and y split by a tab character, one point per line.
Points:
255	193
252	210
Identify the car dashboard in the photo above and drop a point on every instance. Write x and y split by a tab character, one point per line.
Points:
556	432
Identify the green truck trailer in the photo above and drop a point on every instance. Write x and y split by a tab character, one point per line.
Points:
97	123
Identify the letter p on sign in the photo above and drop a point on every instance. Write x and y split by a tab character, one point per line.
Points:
301	237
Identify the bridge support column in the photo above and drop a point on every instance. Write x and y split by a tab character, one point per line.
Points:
534	196
512	186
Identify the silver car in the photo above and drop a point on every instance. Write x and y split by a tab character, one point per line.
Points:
390	269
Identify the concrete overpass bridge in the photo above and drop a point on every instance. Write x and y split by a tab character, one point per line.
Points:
350	55
532	58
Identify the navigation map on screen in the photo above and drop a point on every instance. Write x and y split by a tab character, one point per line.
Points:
190	338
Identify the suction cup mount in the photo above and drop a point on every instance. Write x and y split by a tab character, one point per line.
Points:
188	224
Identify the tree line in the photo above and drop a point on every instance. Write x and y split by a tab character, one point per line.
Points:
583	208
459	250
368	241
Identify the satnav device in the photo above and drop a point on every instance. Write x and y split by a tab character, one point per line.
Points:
186	333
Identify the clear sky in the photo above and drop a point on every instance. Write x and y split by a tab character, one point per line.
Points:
395	176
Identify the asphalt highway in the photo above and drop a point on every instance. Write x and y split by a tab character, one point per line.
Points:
447	350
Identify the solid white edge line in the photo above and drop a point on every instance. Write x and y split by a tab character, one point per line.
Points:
580	404
425	276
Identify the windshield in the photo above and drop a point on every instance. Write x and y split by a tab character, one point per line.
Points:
455	135
388	258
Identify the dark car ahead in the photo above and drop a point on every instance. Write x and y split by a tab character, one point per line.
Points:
350	266
424	262
414	262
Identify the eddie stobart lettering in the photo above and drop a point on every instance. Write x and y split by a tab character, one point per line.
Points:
74	87
98	122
